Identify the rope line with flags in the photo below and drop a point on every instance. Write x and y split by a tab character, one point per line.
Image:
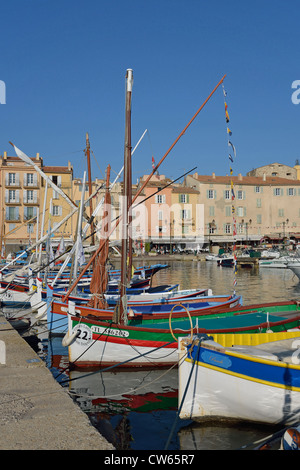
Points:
231	159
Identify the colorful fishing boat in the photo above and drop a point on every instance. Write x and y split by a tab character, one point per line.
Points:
94	343
58	313
249	383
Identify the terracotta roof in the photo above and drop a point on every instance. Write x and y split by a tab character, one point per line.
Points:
17	159
247	180
56	169
184	190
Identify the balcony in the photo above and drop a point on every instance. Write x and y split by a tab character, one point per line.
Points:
31	185
12	218
31	202
12	202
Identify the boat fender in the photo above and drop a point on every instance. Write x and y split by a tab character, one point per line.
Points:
67	340
291	439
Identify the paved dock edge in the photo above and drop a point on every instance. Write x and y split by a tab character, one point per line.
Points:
36	413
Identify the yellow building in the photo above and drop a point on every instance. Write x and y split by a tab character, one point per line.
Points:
22	195
57	207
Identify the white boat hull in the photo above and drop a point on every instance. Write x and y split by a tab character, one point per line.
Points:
213	388
86	351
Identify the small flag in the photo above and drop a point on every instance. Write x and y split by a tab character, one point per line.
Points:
227	116
229	131
224	92
51	256
230	158
61	247
81	257
232	146
153	162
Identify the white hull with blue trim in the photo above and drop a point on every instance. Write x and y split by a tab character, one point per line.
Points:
254	383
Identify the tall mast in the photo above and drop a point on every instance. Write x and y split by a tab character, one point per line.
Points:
90	183
126	193
143	186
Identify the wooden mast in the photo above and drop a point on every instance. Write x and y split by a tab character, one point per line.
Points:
90	184
126	246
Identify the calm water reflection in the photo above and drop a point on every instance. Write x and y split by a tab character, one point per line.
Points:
136	410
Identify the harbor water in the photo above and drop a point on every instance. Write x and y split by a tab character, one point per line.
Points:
137	409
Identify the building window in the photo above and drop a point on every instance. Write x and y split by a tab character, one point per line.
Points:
258	202
227	194
185	214
240	195
211	211
12	213
280	212
29	179
29	212
11	195
183	198
56	210
240	212
160	198
210	194
277	192
160	215
29	195
258	218
11	178
227	228
291	192
257	189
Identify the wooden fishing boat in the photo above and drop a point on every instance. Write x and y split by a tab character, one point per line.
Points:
94	343
254	383
200	305
145	271
163	293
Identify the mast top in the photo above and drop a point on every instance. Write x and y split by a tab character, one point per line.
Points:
129	77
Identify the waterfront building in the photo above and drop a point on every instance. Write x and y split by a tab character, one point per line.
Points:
170	213
266	207
22	195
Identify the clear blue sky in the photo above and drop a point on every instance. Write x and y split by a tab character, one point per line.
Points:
64	64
